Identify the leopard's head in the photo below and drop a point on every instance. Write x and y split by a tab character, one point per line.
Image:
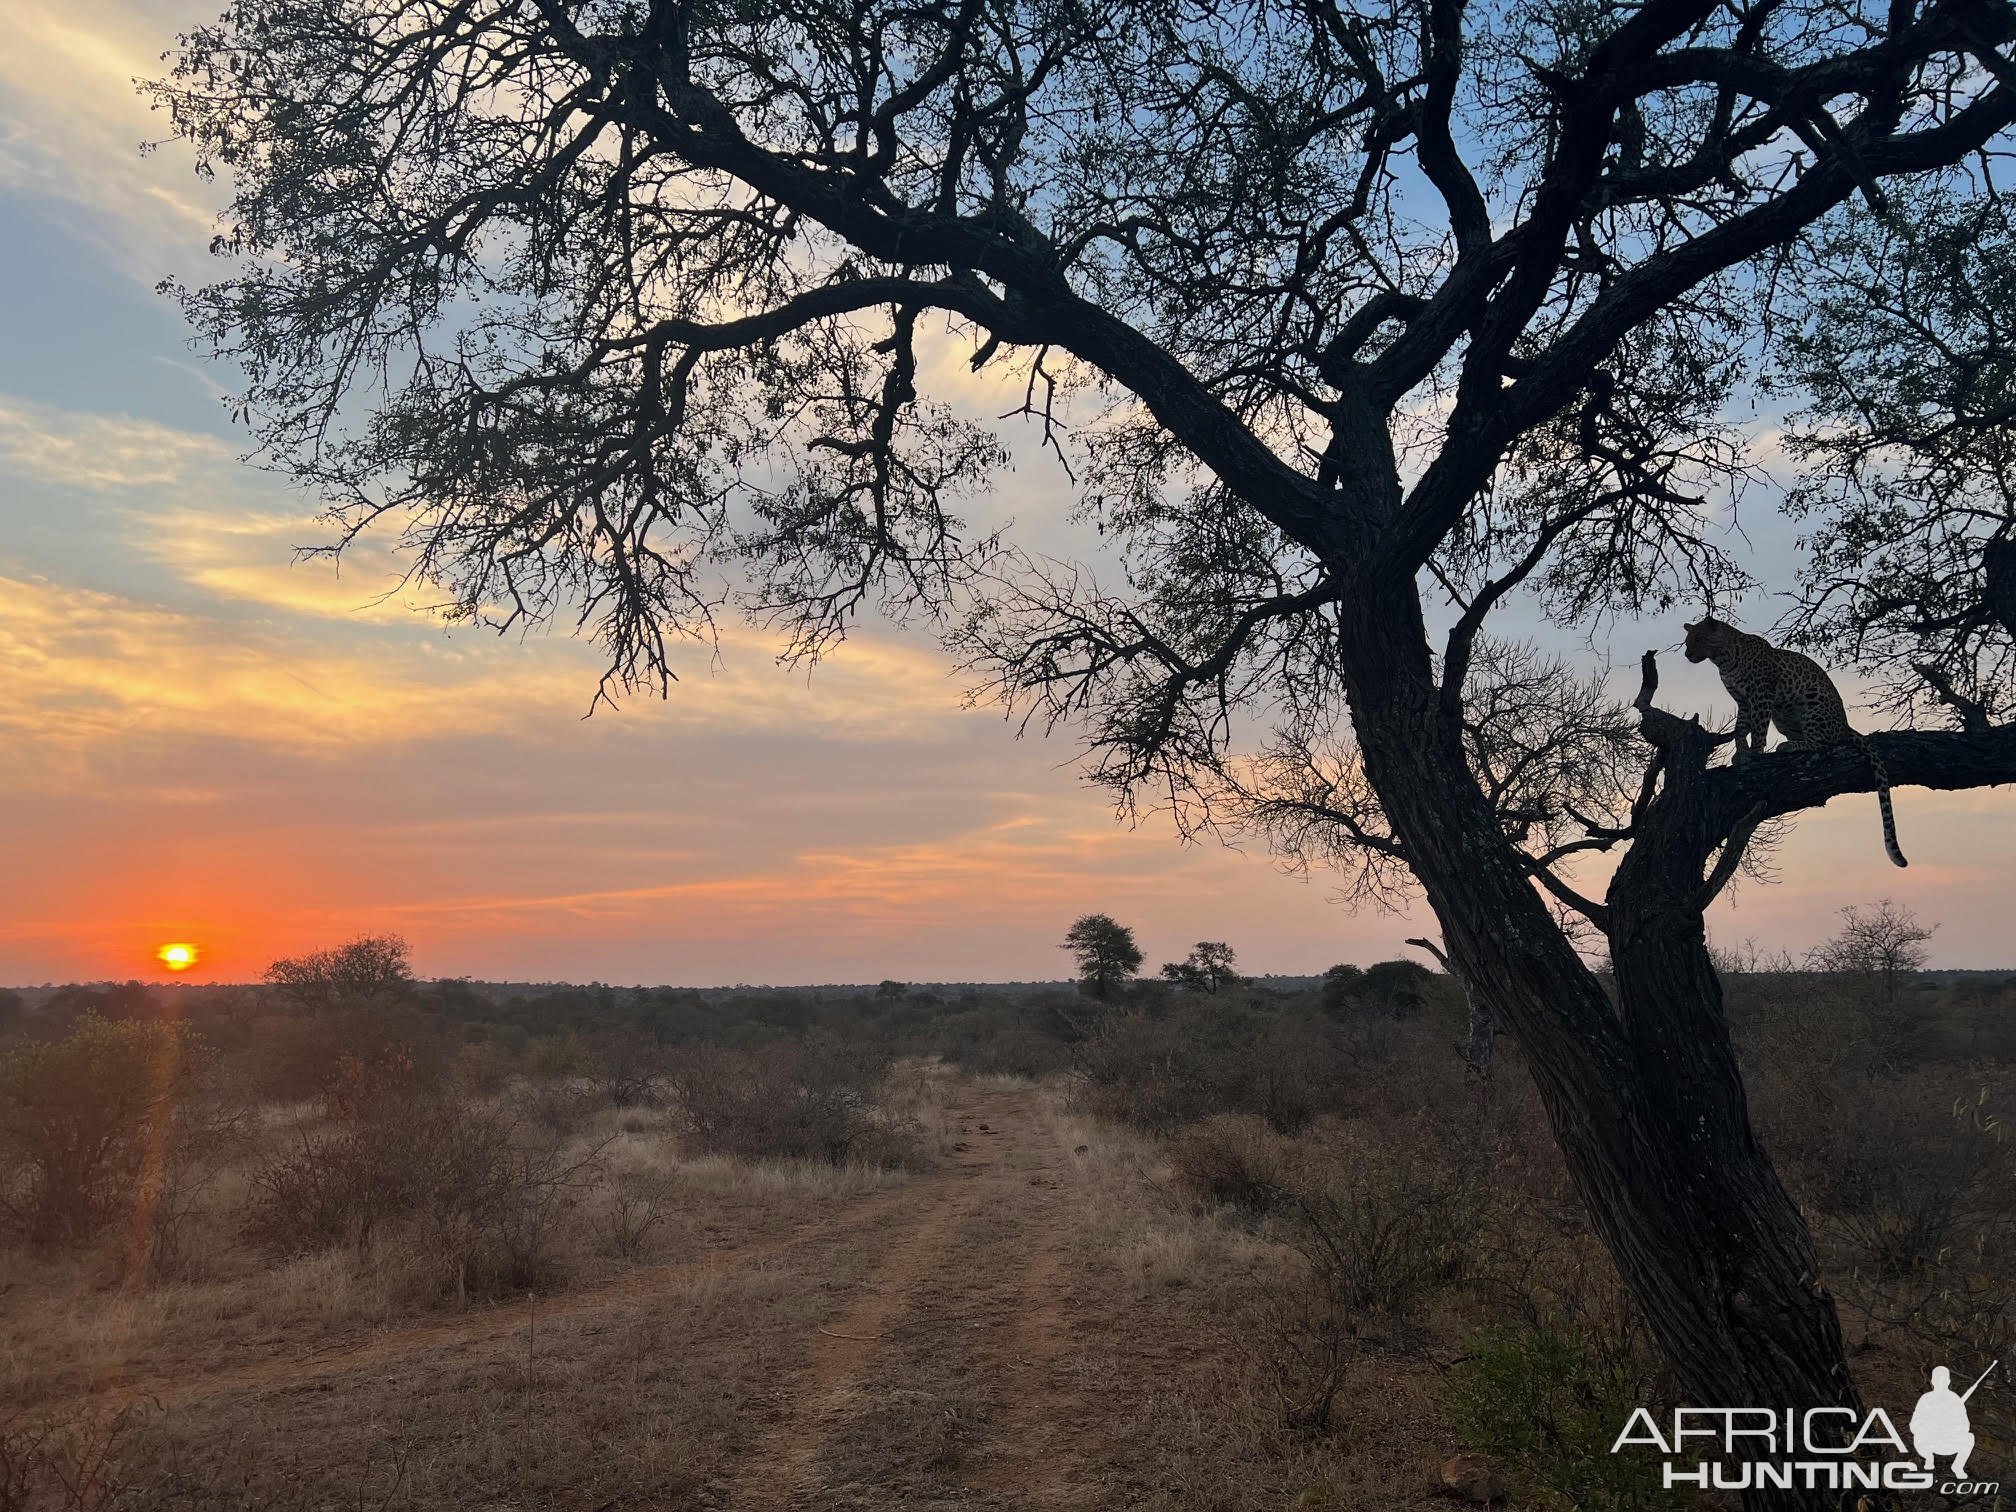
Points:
1703	636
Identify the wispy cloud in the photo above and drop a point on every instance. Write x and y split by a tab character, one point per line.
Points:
1002	867
72	123
87	668
253	555
103	453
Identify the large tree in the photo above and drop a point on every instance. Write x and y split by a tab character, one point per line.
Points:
1357	324
1106	954
1210	967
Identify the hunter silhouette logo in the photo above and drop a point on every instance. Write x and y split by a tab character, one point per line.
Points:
1939	1422
1820	1448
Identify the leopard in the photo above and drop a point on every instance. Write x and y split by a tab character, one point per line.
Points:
1774	686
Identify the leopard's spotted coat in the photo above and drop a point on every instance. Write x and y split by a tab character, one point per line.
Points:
1774	686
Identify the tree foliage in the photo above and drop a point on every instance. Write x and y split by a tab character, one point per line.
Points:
95	1127
112	1000
368	970
1907	365
1105	952
1556	754
1339	987
1210	967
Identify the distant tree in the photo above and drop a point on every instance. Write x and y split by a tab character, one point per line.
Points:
891	989
1208	968
1885	943
110	1000
1106	954
13	1007
1340	986
460	999
1397	987
369	970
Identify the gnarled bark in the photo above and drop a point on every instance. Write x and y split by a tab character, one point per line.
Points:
1647	1103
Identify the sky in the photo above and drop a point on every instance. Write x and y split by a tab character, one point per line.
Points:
202	740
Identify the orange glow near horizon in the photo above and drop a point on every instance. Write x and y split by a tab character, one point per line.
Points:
178	956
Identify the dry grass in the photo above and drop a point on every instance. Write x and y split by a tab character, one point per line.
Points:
68	1324
179	1391
533	1417
1170	1292
1049	1310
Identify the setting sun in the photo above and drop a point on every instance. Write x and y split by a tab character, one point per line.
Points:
177	957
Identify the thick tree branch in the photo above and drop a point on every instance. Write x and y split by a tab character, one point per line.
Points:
1487	420
1730	860
1784	782
1006	247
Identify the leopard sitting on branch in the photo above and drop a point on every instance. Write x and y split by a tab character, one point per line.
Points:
1792	691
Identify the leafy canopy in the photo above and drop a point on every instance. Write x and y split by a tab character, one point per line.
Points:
1105	952
625	311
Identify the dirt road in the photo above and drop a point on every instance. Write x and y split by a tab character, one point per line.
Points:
915	1349
946	1376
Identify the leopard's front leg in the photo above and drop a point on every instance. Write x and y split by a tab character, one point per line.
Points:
1751	728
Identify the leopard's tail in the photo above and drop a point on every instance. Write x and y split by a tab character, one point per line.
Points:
1883	801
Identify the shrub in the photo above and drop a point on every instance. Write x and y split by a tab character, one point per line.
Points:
295	1056
1233	1160
556	1055
1016	1051
480	1068
1382	1232
627	1222
109	1125
626	1068
289	1058
559	1105
1899	1169
1549	1406
473	1199
1212	1056
58	1463
792	1099
1376	1236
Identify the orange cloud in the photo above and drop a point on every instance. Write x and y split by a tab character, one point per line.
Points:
86	668
250	556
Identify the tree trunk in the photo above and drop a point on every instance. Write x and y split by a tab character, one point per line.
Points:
1647	1105
1480	1050
1998	580
1479	1047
